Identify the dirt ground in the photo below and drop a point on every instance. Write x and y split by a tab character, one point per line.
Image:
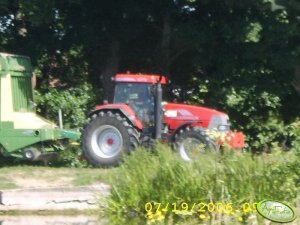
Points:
38	176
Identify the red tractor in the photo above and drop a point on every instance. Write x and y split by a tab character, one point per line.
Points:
139	115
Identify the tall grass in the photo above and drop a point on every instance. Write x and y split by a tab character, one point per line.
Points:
233	178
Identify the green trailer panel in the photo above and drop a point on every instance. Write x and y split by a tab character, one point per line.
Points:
20	127
14	139
22	94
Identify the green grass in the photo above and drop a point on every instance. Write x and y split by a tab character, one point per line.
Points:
233	178
6	183
89	176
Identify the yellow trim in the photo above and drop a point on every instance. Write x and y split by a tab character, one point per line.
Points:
31	121
6	99
22	120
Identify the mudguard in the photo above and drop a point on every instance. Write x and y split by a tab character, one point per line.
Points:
124	109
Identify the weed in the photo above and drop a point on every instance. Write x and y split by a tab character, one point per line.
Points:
161	186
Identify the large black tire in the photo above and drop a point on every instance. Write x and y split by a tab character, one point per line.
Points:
191	143
106	137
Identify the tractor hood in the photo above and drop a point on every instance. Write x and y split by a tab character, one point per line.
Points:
179	114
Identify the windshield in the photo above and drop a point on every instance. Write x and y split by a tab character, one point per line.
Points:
139	97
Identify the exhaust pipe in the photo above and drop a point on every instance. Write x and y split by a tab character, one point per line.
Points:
158	110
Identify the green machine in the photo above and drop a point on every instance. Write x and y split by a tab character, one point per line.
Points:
23	133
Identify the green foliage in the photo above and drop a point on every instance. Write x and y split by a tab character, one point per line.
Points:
260	118
70	157
75	103
254	32
233	177
293	131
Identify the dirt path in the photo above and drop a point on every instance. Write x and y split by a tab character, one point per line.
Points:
38	176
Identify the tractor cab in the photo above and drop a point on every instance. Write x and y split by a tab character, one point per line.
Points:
139	93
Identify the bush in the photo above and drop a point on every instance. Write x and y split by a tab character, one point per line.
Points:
74	102
71	157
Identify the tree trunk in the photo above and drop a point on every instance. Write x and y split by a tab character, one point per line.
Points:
296	81
164	63
110	70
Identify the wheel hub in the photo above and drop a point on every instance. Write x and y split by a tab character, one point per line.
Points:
191	148
106	141
110	141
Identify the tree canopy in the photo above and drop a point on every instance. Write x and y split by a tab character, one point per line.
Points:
241	57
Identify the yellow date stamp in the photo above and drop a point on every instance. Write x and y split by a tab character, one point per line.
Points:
199	207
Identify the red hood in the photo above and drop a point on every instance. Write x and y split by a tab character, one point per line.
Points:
178	114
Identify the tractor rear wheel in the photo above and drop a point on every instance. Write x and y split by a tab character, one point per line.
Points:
106	138
191	143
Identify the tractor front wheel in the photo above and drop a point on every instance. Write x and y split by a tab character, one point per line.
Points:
106	138
191	143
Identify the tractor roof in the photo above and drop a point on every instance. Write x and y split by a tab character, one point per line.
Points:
140	78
